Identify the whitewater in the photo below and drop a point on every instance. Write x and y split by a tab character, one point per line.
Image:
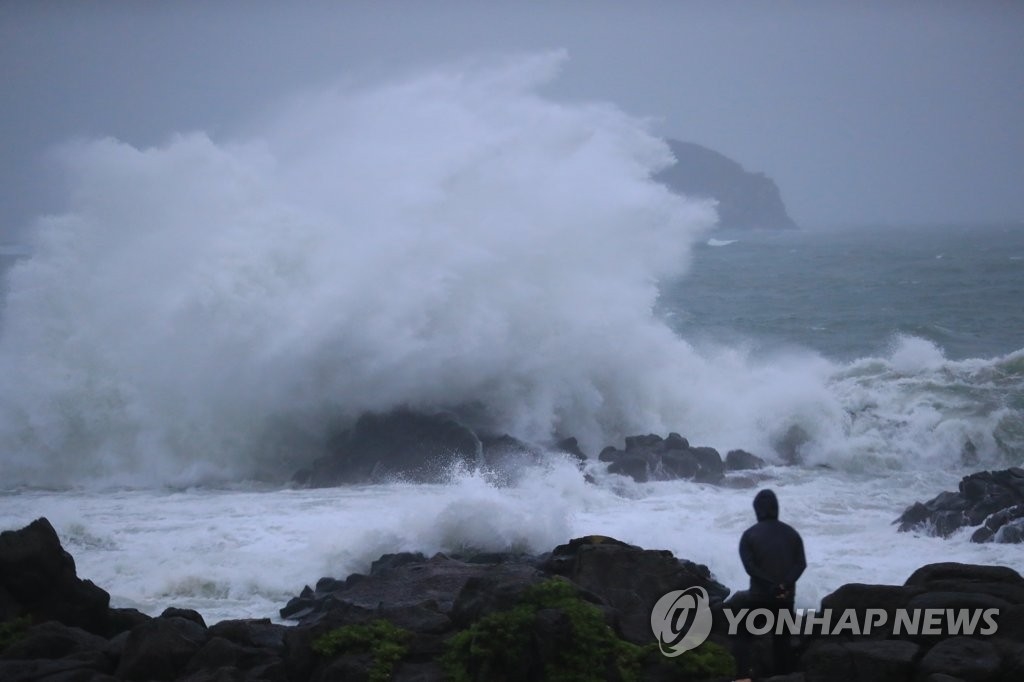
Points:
202	315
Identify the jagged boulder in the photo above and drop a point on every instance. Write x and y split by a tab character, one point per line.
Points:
653	458
741	460
993	500
38	581
628	578
161	649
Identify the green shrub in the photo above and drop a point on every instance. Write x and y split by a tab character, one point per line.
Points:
504	646
381	639
13	630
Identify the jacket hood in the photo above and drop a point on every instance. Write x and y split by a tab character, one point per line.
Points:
766	506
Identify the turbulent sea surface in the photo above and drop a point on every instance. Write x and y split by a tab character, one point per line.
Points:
187	332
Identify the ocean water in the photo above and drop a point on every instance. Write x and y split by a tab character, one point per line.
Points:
187	331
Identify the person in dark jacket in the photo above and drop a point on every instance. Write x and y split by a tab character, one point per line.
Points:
772	553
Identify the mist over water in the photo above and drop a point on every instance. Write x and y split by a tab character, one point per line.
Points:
211	310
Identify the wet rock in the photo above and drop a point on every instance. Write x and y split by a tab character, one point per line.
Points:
880	661
38	580
860	597
962	653
963	657
1003	526
250	633
507	454
571	446
628	578
968	576
52	640
486	594
741	460
405	444
992	499
219	653
653	458
401	582
160	649
187	614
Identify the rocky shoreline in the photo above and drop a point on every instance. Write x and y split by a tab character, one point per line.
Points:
991	501
420	447
578	612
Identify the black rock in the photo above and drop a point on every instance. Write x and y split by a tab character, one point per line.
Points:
676	442
1002	526
160	649
396	584
187	614
741	460
219	653
405	444
992	499
653	458
386	562
860	597
38	580
571	446
52	640
250	633
963	657
677	464
636	467
484	594
886	654
628	578
711	468
609	454
505	453
879	661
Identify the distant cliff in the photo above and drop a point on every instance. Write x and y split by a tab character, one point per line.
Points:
745	200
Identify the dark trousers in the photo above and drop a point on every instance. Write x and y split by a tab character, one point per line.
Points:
781	646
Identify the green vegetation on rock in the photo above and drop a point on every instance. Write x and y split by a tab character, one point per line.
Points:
553	634
13	630
385	642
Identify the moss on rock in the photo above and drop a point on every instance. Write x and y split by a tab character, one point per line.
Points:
13	630
385	642
553	634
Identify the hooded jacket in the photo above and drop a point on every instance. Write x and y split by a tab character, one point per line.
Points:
772	551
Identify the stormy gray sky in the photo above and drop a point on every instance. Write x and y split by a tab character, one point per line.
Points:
867	112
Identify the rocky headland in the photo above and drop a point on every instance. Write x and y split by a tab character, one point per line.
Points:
745	200
578	612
